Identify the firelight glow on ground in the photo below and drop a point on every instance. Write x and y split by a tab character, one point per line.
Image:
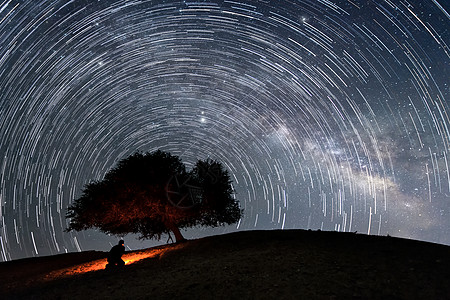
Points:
96	265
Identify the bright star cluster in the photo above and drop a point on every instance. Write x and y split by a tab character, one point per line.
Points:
330	115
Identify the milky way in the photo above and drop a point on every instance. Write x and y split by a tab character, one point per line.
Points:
329	115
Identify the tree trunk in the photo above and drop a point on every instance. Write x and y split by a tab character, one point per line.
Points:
176	231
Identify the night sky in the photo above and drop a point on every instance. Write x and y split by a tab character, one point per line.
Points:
329	115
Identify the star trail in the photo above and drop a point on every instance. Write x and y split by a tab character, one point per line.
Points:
329	115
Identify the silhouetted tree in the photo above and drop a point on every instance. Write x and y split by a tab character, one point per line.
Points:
153	194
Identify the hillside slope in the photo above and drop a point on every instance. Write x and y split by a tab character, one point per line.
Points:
289	264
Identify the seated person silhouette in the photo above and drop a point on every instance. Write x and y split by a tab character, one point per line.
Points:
115	256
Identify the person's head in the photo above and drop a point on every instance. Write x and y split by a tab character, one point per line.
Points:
121	242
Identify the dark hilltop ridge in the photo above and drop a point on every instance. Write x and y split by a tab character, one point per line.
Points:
275	264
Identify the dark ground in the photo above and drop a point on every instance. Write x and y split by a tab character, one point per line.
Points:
289	264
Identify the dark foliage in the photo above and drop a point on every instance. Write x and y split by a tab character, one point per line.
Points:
152	194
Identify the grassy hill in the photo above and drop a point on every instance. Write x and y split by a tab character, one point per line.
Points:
289	264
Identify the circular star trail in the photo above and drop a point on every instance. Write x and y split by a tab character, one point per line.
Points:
329	115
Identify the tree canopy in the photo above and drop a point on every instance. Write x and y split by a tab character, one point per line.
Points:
152	194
